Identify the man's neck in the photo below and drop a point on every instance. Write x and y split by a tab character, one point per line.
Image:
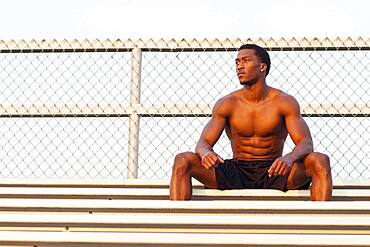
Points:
255	92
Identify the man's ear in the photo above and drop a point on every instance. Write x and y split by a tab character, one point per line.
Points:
263	67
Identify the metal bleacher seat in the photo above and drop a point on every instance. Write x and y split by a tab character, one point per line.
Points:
138	213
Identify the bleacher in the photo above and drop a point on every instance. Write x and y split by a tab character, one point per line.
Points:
138	213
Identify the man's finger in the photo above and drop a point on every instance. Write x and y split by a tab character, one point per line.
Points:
208	166
272	168
277	168
206	163
286	169
280	171
210	158
211	162
214	159
220	159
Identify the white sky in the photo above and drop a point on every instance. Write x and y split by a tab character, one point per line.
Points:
39	19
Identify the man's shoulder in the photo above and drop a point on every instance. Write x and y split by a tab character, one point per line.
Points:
224	104
282	96
228	99
285	102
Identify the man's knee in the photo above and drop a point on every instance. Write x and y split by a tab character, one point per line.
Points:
319	163
182	163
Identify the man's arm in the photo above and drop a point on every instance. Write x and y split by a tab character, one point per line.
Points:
298	131
211	133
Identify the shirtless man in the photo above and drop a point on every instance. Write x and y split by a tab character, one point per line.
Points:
257	119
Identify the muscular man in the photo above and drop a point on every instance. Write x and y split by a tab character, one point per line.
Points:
257	119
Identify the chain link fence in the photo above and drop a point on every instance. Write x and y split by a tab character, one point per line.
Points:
124	109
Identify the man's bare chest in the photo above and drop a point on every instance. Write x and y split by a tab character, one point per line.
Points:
262	121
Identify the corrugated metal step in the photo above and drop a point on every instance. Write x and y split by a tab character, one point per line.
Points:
82	239
162	194
165	206
210	223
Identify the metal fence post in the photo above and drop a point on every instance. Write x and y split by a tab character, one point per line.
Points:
134	119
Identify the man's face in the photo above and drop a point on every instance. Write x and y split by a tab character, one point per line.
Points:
248	68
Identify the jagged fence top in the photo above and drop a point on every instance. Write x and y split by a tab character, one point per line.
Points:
182	44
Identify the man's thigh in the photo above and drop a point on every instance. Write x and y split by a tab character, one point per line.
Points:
298	178
200	173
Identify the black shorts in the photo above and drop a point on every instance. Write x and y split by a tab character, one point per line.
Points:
239	174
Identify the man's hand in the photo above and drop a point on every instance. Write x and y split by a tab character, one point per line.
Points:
210	159
280	166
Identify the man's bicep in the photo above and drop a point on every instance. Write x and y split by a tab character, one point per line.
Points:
213	130
297	127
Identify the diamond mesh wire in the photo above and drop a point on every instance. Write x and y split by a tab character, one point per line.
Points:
63	146
69	112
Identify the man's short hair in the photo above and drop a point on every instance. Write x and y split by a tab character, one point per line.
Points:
261	54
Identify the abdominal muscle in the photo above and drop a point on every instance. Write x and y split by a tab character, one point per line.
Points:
257	148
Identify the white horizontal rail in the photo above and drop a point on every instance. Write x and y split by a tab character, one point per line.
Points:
160	109
183	239
107	44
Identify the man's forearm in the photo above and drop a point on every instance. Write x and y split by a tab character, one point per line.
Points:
202	148
301	150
